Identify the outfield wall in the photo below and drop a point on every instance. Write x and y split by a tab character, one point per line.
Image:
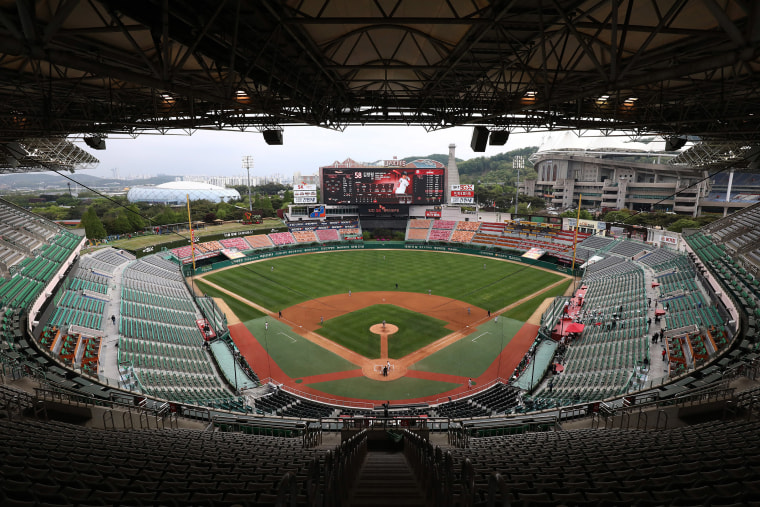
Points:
271	254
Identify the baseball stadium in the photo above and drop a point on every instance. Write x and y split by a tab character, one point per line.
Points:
484	359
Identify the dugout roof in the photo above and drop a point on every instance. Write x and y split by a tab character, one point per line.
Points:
97	67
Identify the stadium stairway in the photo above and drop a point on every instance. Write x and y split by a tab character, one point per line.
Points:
385	478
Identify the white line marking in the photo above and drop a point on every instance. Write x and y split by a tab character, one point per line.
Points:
482	334
291	338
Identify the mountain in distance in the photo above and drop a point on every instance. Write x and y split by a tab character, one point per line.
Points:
51	180
438	157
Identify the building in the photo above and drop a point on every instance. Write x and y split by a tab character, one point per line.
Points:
177	192
614	173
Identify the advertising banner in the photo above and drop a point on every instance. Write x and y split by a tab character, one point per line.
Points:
304	194
462	194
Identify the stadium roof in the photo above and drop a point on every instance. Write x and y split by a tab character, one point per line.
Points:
189	185
132	66
567	141
42	154
176	192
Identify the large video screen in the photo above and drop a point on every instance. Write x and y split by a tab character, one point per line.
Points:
391	185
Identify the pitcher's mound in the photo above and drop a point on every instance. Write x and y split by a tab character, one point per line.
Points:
379	329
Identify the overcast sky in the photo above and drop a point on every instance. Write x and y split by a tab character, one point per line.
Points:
305	149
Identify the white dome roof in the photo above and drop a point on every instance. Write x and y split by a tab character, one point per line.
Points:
189	185
176	192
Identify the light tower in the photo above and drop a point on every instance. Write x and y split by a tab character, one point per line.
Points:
518	162
247	164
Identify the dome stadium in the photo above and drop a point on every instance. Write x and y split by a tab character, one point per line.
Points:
177	192
476	362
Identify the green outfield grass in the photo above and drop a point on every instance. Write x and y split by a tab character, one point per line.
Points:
242	311
525	310
300	278
473	354
297	356
399	389
414	330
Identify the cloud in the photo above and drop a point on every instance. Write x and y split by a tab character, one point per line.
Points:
305	149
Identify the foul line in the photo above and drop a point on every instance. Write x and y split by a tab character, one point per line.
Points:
482	334
285	334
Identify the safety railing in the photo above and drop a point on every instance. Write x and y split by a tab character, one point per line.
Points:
340	469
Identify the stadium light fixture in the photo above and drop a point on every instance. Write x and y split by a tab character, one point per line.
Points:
674	143
95	142
498	137
273	137
479	139
529	97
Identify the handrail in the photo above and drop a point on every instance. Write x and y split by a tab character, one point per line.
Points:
312	435
470	392
457	436
467	476
497	486
532	422
657	422
646	420
327	400
287	490
108	413
341	467
161	413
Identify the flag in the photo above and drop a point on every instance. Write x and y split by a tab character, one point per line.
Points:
529	205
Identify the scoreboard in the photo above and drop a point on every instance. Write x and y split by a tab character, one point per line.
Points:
383	185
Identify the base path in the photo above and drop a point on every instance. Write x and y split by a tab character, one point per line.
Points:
384	330
462	319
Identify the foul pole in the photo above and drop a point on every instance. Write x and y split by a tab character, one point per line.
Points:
192	236
575	237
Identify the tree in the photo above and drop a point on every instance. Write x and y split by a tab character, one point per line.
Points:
52	212
683	223
270	188
168	216
136	221
118	223
66	200
585	215
93	227
224	211
619	216
265	205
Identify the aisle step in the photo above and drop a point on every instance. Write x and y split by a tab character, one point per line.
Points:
385	479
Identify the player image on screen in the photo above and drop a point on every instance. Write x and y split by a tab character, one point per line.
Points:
403	182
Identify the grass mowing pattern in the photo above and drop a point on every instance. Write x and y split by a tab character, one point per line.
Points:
240	309
525	310
414	330
300	278
297	356
472	355
400	389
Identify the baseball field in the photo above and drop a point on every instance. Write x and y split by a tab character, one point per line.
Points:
382	325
